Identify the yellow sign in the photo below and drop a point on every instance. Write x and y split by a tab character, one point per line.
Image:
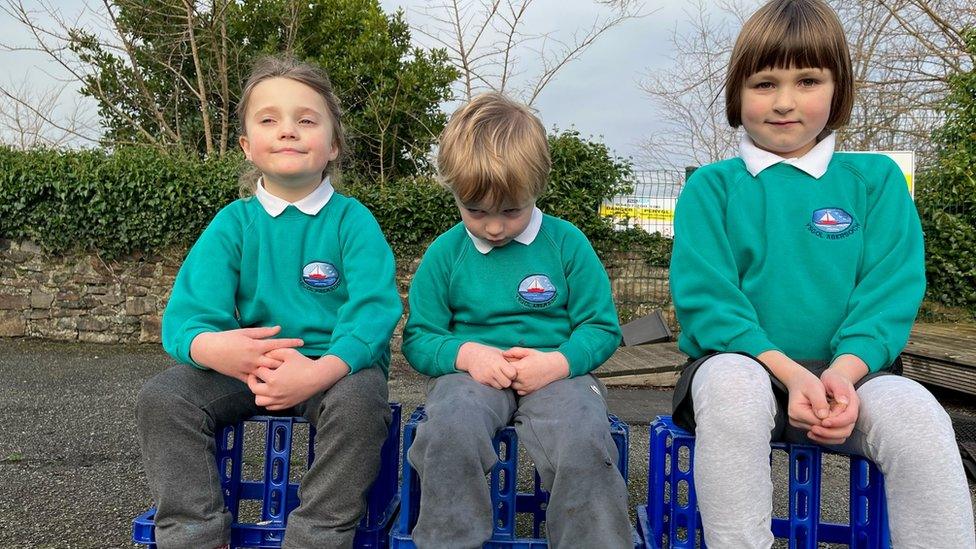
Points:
637	213
654	215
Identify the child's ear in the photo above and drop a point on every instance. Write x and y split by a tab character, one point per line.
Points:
245	146
334	153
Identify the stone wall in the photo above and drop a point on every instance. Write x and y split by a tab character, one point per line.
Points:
84	298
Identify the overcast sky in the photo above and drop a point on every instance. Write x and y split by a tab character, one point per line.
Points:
599	93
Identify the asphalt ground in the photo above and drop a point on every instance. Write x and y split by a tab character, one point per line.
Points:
70	472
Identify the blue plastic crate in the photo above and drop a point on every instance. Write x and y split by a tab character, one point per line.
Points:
278	497
506	500
672	520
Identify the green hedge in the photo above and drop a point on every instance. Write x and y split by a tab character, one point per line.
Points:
411	211
138	199
131	200
946	196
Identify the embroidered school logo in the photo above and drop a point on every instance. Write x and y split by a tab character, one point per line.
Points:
832	223
536	290
320	276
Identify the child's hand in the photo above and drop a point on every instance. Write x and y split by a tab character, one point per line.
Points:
485	364
237	353
536	369
844	408
295	380
808	404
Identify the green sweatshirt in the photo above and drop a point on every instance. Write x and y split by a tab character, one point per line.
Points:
327	278
813	268
550	295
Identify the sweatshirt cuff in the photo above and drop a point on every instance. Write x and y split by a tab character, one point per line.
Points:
353	352
445	360
868	349
580	361
753	342
182	353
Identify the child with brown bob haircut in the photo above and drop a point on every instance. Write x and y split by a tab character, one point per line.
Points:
796	275
509	312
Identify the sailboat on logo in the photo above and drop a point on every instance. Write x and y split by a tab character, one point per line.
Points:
827	219
537	289
319	275
832	220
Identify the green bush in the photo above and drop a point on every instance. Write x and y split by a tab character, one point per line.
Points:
946	197
138	199
112	203
584	173
411	211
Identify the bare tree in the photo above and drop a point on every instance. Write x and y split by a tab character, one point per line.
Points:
31	117
487	42
903	53
194	55
688	93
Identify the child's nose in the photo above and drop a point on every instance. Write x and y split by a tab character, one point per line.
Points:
784	102
286	130
494	228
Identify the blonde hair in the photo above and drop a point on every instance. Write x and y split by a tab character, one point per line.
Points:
283	66
494	150
792	34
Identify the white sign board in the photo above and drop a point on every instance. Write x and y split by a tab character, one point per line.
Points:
905	161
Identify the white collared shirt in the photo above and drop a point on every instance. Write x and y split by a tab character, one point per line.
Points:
813	163
525	237
310	205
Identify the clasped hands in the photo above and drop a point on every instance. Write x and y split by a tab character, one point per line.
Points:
827	406
522	370
279	376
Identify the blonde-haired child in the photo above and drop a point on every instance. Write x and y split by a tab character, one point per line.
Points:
285	304
796	276
510	310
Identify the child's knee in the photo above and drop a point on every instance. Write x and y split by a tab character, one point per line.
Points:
587	450
154	397
460	428
461	439
367	422
900	414
732	393
731	377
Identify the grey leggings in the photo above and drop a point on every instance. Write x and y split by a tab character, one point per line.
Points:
901	427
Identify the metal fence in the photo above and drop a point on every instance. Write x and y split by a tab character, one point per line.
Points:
639	274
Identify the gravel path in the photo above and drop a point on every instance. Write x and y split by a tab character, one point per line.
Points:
69	460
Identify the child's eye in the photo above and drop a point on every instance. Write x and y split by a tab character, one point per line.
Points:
307	121
764	86
809	82
475	212
512	212
267	120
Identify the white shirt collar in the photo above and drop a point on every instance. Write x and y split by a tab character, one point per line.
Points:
310	205
814	162
525	237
